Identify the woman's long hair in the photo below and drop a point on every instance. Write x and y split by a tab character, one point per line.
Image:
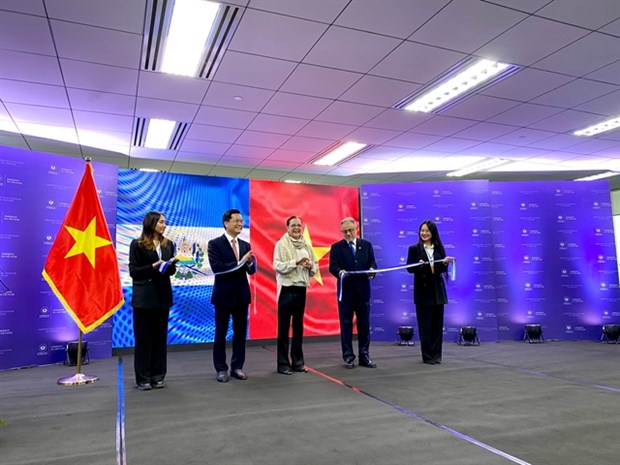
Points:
148	235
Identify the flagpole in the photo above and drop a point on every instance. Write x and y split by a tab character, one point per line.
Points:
78	378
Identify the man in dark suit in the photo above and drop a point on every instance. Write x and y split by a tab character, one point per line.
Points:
231	294
353	254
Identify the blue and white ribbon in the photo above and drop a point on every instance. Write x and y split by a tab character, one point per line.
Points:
393	268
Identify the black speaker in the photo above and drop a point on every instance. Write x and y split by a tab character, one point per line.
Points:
611	333
72	353
533	333
405	335
468	336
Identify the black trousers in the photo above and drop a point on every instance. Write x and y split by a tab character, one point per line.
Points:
430	329
239	315
150	328
361	310
291	305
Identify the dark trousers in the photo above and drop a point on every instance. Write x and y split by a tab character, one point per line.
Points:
346	310
291	305
239	326
430	329
150	328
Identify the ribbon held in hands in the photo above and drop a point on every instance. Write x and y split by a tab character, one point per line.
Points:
395	268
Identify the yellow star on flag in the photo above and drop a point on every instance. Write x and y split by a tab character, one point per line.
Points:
319	252
86	241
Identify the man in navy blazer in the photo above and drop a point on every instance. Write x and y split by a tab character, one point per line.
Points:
231	294
353	254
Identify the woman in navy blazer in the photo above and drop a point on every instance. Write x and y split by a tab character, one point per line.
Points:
429	289
231	294
151	263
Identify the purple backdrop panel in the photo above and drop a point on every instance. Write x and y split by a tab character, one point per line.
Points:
36	190
462	210
555	258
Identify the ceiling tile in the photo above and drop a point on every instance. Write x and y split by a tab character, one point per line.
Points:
104	121
33	94
102	102
30	67
348	113
466	25
170	87
523	136
398	120
583	13
326	130
222	95
443	125
324	12
291	156
397	19
575	93
25	33
277	124
525	114
224	117
372	136
299	106
479	107
267	73
410	140
526	84
373	90
417	63
530	40
42	115
607	105
120	15
350	50
319	81
261	33
262	139
212	133
594	51
248	151
201	146
307	144
97	45
99	77
566	121
484	131
175	111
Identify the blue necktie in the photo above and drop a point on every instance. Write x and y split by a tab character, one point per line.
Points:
352	247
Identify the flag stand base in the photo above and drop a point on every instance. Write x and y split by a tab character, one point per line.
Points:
77	379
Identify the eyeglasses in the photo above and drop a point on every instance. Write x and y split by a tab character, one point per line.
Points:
348	231
294	225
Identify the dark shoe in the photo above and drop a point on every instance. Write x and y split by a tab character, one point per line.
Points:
222	376
144	386
349	364
238	374
368	363
285	371
429	362
300	369
437	362
158	385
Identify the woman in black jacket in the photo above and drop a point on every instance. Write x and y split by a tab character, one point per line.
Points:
429	289
151	263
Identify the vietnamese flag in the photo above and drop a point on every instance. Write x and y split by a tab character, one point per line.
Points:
81	267
321	208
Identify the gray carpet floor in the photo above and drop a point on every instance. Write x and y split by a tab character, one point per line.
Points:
497	403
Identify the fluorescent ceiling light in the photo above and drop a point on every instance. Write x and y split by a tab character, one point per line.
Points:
190	26
482	166
159	133
594	177
149	170
292	181
613	123
471	77
339	153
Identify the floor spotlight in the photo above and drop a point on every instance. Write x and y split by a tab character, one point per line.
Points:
72	349
533	334
405	336
611	333
468	336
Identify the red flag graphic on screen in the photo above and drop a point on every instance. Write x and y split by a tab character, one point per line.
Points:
321	208
81	267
